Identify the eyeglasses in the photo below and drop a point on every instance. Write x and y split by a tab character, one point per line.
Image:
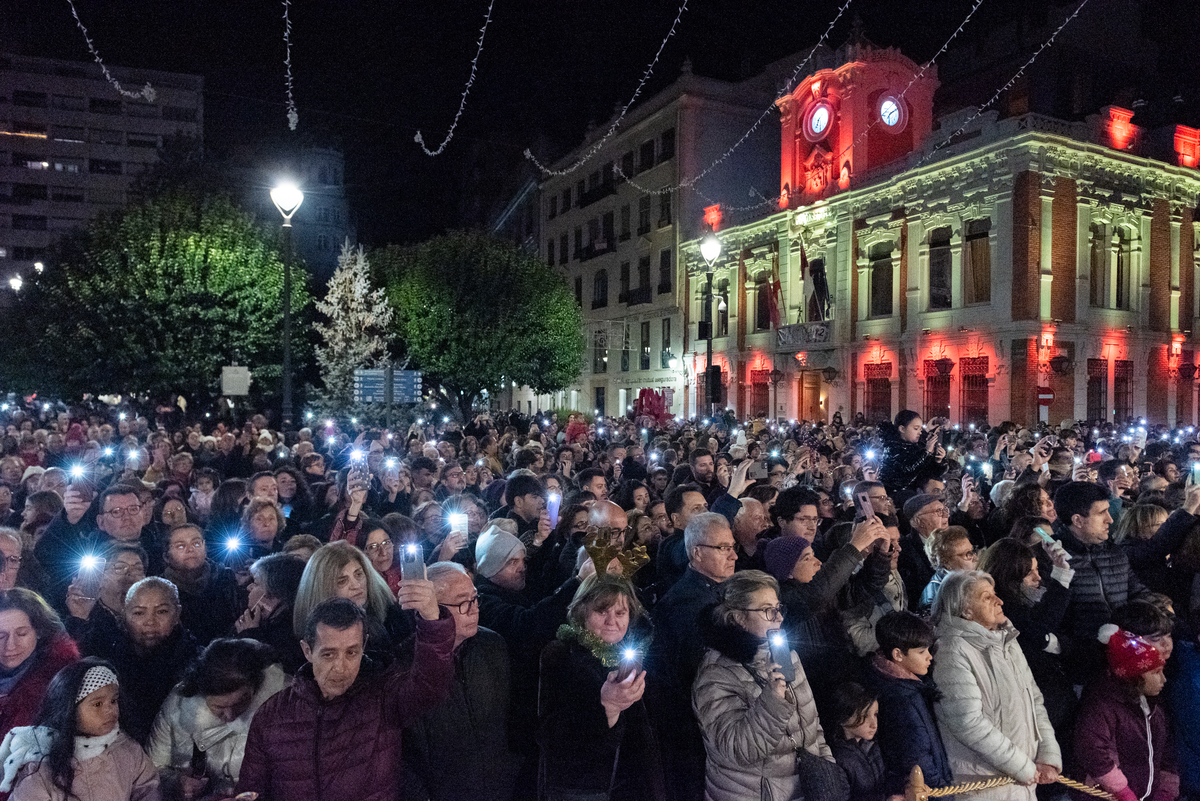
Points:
769	612
376	547
12	563
724	549
124	570
466	606
940	512
194	545
125	511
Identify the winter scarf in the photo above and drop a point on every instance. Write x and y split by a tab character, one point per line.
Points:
26	744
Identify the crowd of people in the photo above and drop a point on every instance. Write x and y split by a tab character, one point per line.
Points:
583	609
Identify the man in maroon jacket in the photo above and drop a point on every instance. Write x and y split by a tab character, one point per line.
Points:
334	733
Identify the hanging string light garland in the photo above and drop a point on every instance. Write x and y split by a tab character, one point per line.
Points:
688	183
293	116
462	104
595	148
1006	86
146	93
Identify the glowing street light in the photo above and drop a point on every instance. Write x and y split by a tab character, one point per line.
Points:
16	283
287	197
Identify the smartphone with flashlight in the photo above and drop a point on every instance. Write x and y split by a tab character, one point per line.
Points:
631	664
91	570
781	654
758	470
458	522
1044	535
862	506
412	565
553	505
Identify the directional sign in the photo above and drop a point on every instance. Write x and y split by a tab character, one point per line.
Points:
407	386
370	386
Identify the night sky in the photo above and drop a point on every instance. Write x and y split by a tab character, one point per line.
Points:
369	74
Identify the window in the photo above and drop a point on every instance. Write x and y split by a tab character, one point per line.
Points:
625	345
607	232
30	161
762	303
102	136
646	156
667	148
564	252
599	405
627	163
666	270
67	133
599	350
578	242
1097	389
141	111
67	194
1122	389
101	105
550	251
566	200
69	102
1124	270
723	308
666	344
877	398
623	297
593	180
1098	288
28	222
68	165
814	310
600	290
937	392
28	99
643	215
594	233
664	209
142	140
644	361
644	272
977	263
552	211
27	192
881	280
182	114
579	192
1111	267
625	222
939	269
579	291
104	167
973	407
760	394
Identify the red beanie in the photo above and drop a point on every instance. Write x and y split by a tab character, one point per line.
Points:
1129	656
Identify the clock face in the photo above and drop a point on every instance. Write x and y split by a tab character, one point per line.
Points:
889	112
819	120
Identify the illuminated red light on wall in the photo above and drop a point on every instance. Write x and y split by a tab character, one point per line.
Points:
712	216
1187	145
1120	130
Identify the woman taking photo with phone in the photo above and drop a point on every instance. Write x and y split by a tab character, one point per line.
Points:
604	750
910	454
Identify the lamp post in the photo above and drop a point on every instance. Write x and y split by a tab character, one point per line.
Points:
287	197
710	251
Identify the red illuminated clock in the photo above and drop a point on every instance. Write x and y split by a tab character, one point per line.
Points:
818	119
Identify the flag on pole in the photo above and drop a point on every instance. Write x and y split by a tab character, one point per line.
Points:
776	292
803	262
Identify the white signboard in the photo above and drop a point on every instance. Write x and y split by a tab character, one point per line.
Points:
235	380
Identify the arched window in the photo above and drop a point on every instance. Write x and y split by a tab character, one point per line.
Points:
600	290
723	307
881	280
939	269
762	303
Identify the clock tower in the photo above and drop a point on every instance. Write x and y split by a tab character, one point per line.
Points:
841	124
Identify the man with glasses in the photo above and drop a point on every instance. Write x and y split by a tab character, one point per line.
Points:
208	592
120	519
926	514
460	748
677	648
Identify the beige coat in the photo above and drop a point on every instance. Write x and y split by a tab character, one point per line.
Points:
991	715
751	737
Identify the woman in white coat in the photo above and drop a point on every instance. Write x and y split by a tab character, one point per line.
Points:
761	732
991	715
199	736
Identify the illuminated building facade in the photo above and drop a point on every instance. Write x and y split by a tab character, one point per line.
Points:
978	267
71	146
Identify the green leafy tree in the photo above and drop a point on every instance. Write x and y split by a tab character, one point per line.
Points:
355	335
157	298
474	312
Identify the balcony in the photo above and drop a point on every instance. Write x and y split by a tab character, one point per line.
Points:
597	248
599	192
799	335
639	296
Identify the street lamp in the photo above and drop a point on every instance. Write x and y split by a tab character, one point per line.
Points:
710	251
287	197
16	283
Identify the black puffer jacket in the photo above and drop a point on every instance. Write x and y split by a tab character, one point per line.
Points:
904	465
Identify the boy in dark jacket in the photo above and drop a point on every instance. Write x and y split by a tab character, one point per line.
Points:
899	675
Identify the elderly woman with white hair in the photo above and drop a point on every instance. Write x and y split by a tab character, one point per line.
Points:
991	715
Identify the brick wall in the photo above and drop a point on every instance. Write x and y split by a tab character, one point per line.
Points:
1027	246
1157	378
1064	217
1187	299
1024	408
1160	268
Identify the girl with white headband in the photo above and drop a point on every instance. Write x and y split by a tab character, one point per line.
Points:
77	749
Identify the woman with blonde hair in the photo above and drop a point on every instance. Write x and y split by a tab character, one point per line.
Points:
948	549
339	570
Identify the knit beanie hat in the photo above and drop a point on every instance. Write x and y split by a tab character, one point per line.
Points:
781	555
493	549
1129	656
914	505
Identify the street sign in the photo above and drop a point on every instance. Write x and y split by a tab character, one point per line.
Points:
1045	396
407	385
235	380
370	386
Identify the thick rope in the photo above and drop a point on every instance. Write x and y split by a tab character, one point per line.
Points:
1001	781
